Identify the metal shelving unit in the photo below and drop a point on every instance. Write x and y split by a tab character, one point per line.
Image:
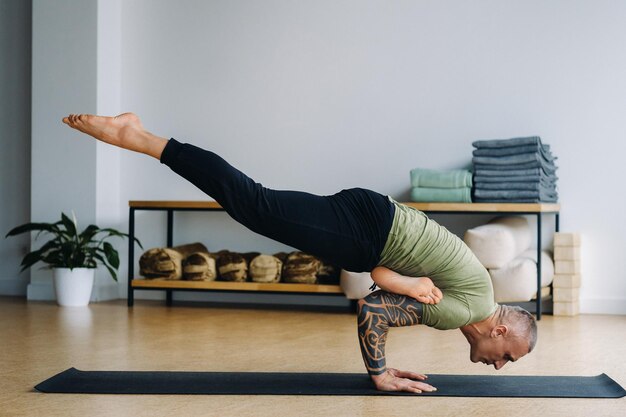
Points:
538	306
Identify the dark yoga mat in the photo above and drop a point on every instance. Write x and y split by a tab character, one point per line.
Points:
264	383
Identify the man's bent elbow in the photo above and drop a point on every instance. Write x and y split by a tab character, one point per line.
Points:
368	303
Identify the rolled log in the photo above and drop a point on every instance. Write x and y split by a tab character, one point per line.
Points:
166	263
301	268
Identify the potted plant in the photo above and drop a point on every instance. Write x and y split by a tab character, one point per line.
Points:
73	256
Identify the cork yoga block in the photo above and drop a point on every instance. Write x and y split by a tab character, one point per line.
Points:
566	239
566	294
566	309
566	281
566	253
567	267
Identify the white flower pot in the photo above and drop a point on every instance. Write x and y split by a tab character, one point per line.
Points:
73	287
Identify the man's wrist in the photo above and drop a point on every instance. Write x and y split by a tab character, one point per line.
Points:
378	375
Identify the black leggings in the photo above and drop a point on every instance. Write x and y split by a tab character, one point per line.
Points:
348	229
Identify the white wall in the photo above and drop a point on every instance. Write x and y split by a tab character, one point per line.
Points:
327	95
76	69
15	59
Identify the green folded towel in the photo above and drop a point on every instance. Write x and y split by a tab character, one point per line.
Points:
454	178
441	195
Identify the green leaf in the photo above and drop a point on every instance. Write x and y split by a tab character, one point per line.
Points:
89	232
79	259
69	225
29	227
111	255
36	256
54	259
111	270
31	259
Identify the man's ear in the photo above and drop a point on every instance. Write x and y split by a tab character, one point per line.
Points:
499	330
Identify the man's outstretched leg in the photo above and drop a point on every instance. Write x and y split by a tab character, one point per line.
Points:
348	229
124	131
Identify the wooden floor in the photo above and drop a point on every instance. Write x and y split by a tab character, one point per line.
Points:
40	339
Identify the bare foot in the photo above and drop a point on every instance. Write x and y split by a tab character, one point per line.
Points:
424	290
124	131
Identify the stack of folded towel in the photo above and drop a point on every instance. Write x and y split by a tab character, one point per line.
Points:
518	170
451	186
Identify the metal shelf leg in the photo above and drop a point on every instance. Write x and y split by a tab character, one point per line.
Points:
131	256
538	266
170	243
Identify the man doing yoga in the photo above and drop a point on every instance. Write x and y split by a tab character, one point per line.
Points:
426	274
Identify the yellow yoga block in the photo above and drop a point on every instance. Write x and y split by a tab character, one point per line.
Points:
566	294
566	309
566	253
567	267
566	239
566	281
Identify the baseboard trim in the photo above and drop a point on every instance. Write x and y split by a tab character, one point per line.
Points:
104	292
45	292
13	286
603	306
40	292
239	298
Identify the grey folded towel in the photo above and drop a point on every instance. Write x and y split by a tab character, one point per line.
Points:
541	194
508	173
501	143
509	150
544	150
548	169
512	159
516	200
528	185
518	178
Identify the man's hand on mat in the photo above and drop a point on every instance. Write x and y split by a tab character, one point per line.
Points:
396	380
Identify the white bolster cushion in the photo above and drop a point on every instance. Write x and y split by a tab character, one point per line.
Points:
355	285
498	242
517	280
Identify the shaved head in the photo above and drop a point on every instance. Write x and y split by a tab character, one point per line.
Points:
521	323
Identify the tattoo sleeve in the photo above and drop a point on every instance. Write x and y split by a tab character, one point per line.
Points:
376	313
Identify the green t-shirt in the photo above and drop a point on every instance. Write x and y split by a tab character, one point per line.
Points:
418	246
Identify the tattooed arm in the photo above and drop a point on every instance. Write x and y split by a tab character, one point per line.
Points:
376	313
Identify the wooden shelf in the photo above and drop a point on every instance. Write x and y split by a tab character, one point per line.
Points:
234	286
176	204
430	207
170	206
488	207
